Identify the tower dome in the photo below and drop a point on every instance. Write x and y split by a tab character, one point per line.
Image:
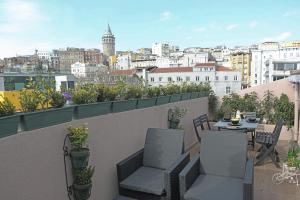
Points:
108	42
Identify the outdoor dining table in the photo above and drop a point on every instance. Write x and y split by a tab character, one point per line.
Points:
243	124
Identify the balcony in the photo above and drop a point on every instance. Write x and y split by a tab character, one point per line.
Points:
32	161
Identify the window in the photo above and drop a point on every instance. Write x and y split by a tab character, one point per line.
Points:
217	78
227	89
255	75
170	79
187	78
235	78
178	78
160	79
226	78
152	79
197	78
255	81
206	78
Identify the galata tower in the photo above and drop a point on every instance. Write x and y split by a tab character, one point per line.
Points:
108	42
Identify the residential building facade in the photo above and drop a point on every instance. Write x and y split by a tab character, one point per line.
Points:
241	61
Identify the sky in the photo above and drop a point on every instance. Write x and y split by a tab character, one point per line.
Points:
26	25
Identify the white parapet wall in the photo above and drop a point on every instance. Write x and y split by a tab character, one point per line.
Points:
32	166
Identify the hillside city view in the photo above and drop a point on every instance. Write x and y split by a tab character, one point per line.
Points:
131	100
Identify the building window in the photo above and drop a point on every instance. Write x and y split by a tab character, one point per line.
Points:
206	78
255	75
255	81
178	78
160	79
227	89
235	78
197	78
187	78
217	78
152	79
170	79
226	78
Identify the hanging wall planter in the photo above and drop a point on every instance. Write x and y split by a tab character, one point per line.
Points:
80	159
79	155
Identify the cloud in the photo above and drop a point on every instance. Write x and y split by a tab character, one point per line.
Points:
291	13
200	29
19	16
166	15
253	24
281	37
231	27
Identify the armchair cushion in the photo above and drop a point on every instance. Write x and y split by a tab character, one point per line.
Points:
145	179
209	187
224	154
162	147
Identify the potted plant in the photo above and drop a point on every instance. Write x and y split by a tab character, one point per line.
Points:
128	100
91	101
82	184
8	119
292	160
42	106
79	153
174	116
149	98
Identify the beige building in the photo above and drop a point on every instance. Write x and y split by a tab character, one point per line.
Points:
241	61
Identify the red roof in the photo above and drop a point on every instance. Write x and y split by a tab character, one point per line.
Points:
205	64
123	72
172	70
222	68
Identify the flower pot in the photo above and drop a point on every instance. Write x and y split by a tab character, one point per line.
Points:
93	109
80	159
173	124
145	103
185	96
194	95
121	106
9	125
175	98
82	192
50	117
163	100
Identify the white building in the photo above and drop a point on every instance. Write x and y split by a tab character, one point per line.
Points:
143	63
44	55
222	80
161	49
124	61
271	62
84	70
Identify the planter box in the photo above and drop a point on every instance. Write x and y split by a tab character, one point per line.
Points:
163	100
195	95
175	98
93	109
121	106
145	103
50	117
9	125
203	94
185	96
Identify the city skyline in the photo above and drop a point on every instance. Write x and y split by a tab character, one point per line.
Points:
50	25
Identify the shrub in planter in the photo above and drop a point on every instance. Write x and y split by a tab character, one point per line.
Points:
82	184
57	100
8	120
153	92
90	100
79	150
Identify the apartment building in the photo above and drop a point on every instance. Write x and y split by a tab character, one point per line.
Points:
272	61
241	61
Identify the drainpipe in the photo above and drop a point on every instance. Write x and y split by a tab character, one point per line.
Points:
296	110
